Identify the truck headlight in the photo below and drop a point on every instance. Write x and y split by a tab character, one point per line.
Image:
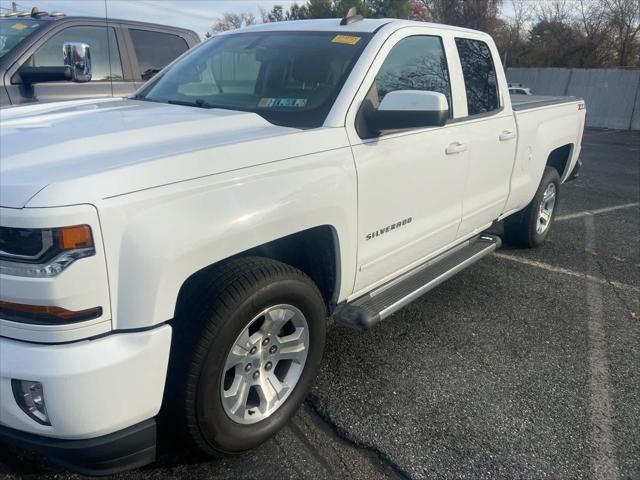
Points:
43	252
29	396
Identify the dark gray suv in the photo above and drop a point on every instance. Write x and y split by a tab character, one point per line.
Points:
124	55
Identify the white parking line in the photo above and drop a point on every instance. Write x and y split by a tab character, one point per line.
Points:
587	213
565	271
604	463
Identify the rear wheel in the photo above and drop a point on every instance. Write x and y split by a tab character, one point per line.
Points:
530	227
251	351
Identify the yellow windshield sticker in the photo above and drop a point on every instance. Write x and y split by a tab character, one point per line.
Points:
19	26
346	39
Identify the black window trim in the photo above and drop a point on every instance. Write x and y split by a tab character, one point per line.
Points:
409	130
491	113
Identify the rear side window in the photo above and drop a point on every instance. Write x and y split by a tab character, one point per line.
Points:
479	76
155	50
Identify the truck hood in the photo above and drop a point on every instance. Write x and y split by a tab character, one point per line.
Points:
47	144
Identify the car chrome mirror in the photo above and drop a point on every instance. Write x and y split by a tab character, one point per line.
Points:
77	58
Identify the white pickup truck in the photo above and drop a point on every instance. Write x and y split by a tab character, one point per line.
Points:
184	247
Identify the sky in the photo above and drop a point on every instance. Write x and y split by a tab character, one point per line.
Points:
196	15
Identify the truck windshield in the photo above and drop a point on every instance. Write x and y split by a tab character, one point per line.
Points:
13	31
289	78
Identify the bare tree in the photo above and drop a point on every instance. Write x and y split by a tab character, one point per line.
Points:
232	21
554	11
522	14
624	18
476	14
592	15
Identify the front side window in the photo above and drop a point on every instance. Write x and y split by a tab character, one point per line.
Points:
289	78
13	31
156	50
105	56
414	63
479	76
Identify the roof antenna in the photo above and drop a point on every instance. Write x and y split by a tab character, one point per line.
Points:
35	12
352	17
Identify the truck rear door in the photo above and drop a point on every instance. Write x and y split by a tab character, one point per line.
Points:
490	129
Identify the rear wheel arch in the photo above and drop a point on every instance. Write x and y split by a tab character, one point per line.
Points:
559	158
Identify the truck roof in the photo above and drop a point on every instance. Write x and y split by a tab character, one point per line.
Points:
57	18
367	25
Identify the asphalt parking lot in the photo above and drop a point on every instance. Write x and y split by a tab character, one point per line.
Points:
526	365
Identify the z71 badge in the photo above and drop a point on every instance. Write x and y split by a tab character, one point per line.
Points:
389	228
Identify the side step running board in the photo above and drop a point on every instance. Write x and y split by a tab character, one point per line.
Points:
369	309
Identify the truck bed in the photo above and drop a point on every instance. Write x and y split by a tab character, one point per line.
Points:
526	102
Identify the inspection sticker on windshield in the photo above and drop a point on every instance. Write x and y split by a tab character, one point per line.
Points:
346	39
19	26
282	102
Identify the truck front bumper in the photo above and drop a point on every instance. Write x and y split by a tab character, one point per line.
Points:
95	392
130	448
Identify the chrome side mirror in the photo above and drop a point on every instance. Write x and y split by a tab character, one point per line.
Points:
77	59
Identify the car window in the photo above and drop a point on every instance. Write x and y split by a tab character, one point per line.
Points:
288	78
479	76
155	50
105	55
414	63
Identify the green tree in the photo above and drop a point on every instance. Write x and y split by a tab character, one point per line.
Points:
341	7
389	8
555	44
277	14
320	9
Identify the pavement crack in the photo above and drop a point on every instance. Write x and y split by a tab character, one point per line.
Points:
611	283
315	406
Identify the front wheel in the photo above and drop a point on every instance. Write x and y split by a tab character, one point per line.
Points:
530	227
260	336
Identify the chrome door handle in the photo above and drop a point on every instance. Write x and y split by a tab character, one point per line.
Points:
456	147
507	135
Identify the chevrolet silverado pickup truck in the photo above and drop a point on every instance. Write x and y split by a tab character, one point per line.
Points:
175	255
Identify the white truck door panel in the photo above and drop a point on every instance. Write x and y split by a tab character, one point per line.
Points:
410	183
490	165
409	199
492	135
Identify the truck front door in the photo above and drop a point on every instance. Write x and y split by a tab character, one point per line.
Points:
410	182
106	67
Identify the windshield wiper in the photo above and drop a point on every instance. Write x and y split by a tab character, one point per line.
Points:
196	103
199	103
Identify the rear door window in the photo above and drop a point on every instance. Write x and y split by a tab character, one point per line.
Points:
155	50
479	76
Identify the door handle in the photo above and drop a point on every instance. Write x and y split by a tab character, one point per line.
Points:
507	135
456	147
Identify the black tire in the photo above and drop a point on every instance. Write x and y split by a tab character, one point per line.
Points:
208	323
520	228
